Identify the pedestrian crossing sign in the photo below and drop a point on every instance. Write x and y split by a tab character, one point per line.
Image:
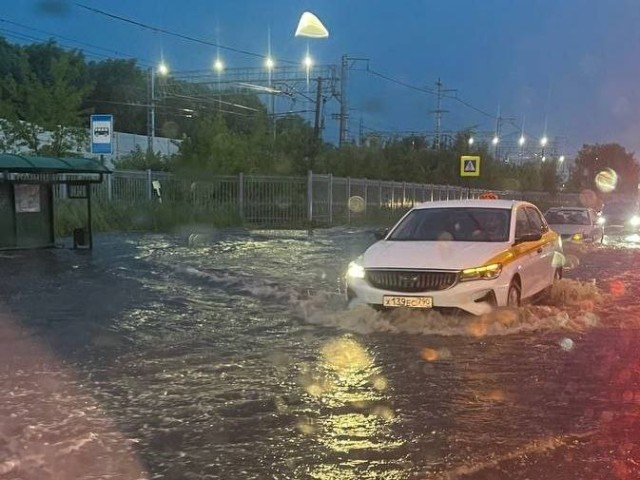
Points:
469	166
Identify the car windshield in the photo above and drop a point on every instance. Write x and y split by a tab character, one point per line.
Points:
454	224
568	217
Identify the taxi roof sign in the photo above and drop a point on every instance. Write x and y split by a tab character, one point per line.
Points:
469	166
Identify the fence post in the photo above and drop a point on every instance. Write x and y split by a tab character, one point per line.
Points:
149	186
310	196
348	200
393	196
380	195
404	194
330	198
241	195
110	186
366	196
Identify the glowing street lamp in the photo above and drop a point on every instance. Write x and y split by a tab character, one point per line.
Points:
471	141
561	159
269	63
495	140
308	62
543	141
218	66
544	158
521	140
163	69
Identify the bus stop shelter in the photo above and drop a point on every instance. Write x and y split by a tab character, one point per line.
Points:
27	186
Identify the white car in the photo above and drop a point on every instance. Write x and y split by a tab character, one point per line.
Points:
576	224
469	255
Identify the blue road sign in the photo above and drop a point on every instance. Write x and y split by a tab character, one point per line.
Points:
101	133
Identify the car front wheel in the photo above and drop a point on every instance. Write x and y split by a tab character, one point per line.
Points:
513	297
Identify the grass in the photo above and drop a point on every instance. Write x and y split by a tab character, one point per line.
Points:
147	217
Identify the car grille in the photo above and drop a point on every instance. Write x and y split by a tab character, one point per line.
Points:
411	281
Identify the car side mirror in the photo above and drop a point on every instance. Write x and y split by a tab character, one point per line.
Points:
380	234
529	237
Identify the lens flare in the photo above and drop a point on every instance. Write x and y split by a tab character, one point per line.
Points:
607	180
356	204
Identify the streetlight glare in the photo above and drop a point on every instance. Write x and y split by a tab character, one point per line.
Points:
163	69
544	140
522	140
308	61
561	159
471	140
269	63
544	158
495	140
218	65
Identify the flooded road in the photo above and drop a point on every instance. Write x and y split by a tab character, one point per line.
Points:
233	355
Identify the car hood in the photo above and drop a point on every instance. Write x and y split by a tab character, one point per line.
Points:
569	229
431	255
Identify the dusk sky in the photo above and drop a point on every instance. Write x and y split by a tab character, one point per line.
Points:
574	63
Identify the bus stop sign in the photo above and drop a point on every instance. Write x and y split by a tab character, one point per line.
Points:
101	134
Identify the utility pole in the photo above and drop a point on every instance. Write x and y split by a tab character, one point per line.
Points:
316	123
344	109
151	111
440	92
361	132
315	142
343	116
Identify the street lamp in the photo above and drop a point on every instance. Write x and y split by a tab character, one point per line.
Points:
471	141
269	63
543	141
308	62
495	140
521	140
218	66
544	158
561	158
162	70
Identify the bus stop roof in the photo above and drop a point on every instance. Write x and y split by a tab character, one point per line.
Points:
13	163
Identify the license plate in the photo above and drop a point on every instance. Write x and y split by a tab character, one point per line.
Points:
409	302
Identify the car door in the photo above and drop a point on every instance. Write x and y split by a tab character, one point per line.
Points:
543	250
525	253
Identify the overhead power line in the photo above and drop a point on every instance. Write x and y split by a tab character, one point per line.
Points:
182	36
69	39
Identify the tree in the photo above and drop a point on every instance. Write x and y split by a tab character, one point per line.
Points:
120	89
44	99
592	159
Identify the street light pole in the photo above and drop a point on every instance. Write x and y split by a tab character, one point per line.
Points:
151	111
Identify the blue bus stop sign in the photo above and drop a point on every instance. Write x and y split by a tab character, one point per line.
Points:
101	133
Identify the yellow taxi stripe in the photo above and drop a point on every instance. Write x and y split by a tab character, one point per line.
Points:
515	252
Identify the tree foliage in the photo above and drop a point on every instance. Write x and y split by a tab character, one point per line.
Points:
592	159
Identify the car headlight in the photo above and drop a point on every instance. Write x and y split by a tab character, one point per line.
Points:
355	270
634	221
576	237
601	221
487	272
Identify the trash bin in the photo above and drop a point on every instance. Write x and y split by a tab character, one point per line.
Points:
80	238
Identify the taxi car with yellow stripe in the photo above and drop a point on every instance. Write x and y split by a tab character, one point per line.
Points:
468	255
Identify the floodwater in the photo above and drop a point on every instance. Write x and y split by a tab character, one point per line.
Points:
233	355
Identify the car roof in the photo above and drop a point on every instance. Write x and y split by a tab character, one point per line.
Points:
472	203
557	209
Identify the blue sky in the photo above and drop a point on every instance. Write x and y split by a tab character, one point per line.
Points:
570	64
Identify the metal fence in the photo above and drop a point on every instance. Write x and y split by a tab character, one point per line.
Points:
280	201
